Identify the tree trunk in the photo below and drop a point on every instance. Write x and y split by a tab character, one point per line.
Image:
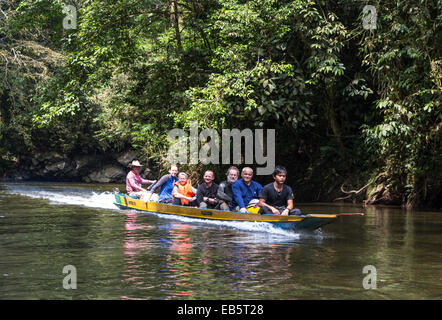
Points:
331	116
174	17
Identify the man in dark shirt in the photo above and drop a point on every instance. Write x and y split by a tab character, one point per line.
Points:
206	192
276	197
225	193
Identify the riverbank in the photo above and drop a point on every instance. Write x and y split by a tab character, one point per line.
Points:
112	167
85	170
53	166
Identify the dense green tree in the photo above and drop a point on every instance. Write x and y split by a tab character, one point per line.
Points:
27	61
404	54
352	107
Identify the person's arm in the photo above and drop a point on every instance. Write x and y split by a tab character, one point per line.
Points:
160	182
221	194
195	192
258	189
200	194
212	194
178	195
262	203
146	181
289	207
290	201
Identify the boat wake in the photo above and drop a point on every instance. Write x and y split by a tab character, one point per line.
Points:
255	226
69	196
105	200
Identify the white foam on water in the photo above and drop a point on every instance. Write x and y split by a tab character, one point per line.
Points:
83	197
255	226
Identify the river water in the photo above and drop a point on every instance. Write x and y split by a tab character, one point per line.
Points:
124	254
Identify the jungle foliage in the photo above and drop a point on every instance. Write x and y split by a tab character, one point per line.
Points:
351	107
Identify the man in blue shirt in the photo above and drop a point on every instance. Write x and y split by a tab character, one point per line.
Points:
244	190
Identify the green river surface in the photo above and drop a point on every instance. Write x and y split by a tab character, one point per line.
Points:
125	254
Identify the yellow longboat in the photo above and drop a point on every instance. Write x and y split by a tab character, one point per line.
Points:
293	222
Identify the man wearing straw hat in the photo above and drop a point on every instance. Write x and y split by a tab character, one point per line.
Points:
134	182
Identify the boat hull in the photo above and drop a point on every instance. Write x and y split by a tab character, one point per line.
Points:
295	222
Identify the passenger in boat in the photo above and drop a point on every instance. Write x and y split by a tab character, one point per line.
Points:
183	193
225	193
277	197
206	192
134	182
166	184
244	191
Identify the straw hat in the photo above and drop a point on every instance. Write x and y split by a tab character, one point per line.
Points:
134	163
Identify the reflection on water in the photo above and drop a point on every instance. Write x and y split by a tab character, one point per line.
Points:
176	244
130	255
